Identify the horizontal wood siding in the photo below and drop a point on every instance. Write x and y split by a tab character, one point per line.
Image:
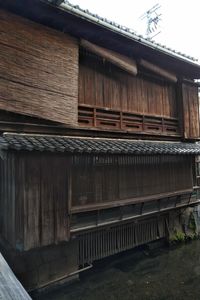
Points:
104	85
101	179
190	111
38	70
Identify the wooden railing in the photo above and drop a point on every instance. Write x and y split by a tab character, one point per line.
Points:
104	118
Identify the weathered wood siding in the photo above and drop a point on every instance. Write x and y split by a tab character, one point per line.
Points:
8	224
38	70
190	111
111	179
39	191
10	287
34	199
104	85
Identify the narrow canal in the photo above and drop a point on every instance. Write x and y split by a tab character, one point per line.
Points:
159	274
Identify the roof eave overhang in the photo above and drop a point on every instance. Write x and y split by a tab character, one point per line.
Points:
82	25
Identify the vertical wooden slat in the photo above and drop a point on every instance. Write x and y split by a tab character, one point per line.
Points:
108	87
190	111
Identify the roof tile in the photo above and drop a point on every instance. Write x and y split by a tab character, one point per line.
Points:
30	142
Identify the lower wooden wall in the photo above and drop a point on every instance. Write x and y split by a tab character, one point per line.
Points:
44	266
33	201
39	190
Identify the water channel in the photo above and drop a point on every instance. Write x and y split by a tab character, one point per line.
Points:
166	273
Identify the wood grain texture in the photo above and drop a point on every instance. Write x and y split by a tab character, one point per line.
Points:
7	199
38	70
104	85
34	203
160	71
34	199
107	179
45	212
10	287
190	111
117	59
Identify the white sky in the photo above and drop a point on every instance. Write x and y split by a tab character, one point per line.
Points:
180	19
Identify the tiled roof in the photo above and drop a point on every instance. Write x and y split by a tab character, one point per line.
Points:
127	31
93	145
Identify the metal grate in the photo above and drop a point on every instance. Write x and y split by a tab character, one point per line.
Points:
108	241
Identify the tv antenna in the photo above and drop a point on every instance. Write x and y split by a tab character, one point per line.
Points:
152	17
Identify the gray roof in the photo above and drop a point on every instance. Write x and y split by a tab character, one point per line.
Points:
30	142
85	13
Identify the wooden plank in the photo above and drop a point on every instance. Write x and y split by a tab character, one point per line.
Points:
61	198
194	112
190	111
30	189
20	212
114	204
10	287
117	59
8	202
38	70
44	207
108	87
129	179
158	70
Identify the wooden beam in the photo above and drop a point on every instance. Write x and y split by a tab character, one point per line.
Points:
105	205
125	63
163	73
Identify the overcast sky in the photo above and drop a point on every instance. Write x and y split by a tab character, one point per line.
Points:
180	25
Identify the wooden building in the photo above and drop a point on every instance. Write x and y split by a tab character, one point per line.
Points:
98	138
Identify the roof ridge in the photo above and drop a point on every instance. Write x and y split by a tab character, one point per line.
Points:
128	30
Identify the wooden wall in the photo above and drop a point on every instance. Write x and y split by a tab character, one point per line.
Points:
8	224
33	202
40	190
191	120
97	180
104	85
38	70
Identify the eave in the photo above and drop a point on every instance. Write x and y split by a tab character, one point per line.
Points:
97	31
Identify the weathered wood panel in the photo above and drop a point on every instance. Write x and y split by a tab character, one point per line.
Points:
37	193
123	62
38	70
7	199
97	180
10	287
160	71
190	111
45	199
104	85
34	199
